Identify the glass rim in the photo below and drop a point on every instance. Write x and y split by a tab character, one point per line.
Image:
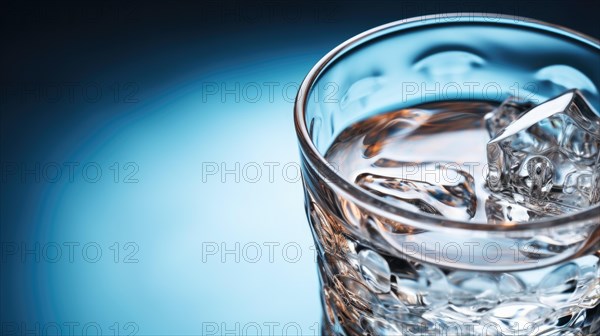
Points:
378	205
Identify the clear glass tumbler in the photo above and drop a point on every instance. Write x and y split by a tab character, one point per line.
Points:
385	270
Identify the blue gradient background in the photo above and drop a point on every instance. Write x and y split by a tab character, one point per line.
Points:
172	52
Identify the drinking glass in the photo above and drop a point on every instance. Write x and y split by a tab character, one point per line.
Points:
385	270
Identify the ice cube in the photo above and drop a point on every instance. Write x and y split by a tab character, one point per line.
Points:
549	154
510	110
432	187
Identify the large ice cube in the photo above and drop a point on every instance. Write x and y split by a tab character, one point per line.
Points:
432	187
550	153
